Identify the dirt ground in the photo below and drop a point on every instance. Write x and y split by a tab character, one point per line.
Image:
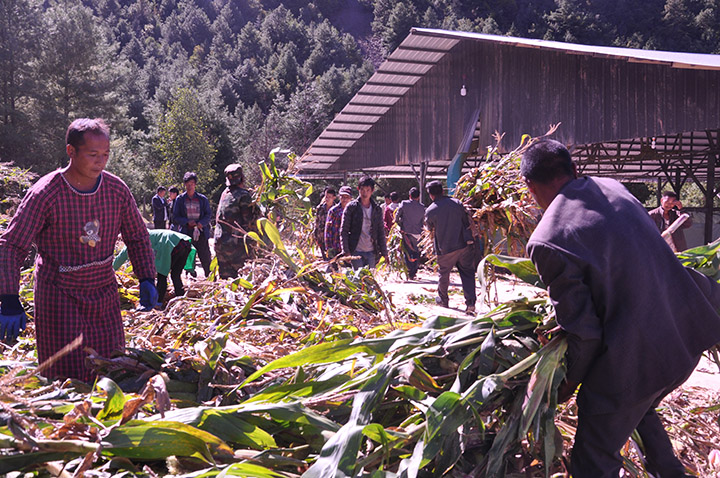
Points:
419	296
688	412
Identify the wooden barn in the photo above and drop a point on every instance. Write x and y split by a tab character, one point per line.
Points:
441	95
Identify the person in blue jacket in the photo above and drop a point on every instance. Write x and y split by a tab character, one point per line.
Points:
191	216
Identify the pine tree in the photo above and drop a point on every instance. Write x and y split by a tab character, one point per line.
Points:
183	141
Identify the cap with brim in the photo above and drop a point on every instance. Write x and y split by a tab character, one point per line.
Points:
345	190
233	169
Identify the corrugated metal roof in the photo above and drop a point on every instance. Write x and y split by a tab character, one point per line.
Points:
421	50
671	58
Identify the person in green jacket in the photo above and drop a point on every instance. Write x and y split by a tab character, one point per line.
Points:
173	253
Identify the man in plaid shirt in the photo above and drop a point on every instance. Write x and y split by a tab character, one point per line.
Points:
321	215
74	216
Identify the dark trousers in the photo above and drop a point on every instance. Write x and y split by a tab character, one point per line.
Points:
364	259
203	252
599	438
411	252
463	260
159	224
178	258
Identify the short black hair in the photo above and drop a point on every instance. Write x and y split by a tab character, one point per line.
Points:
414	193
189	176
77	129
394	196
546	160
435	188
174	190
366	181
330	190
160	188
669	194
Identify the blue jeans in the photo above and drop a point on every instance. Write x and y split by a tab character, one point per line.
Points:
365	259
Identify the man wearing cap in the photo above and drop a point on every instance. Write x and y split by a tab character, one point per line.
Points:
362	231
333	243
409	217
448	220
236	215
191	216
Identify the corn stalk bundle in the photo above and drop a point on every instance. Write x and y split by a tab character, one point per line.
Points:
283	198
448	394
499	203
396	250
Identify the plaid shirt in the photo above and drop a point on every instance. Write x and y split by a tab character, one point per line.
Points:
321	213
60	221
332	228
75	288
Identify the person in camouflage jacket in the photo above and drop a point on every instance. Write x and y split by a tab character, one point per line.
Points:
236	215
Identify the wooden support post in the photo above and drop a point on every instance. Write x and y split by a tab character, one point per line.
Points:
709	197
423	180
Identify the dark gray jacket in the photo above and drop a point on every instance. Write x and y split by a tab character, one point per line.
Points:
410	215
351	226
637	320
448	219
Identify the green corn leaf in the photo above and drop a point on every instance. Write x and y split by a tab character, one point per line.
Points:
339	456
276	393
444	417
230	427
240	282
463	368
19	462
521	267
284	413
504	441
211	349
409	467
487	355
541	381
411	393
244	469
115	401
417	377
327	352
271	231
254	236
156	440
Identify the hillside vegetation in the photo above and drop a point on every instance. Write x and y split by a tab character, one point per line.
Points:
199	84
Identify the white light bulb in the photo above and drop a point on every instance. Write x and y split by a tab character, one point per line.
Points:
463	91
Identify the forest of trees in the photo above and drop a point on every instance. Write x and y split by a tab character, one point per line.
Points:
199	84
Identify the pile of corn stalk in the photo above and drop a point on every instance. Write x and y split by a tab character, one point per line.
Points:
500	205
295	370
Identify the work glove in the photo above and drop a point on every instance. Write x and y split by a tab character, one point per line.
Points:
12	317
148	294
